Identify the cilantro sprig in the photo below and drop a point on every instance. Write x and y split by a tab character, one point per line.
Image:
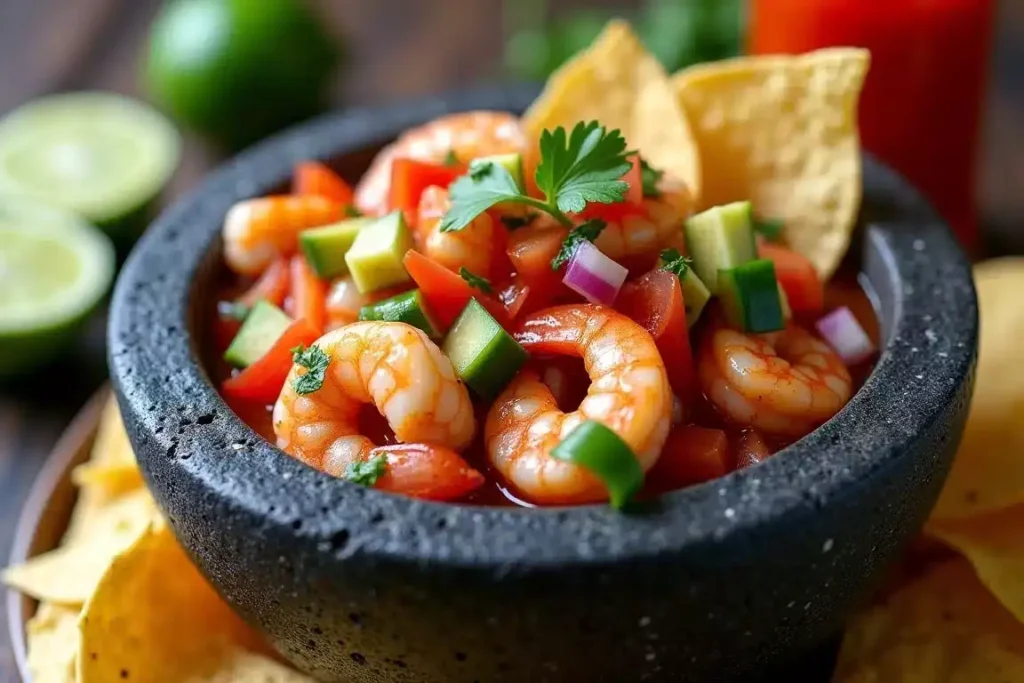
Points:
649	179
769	228
587	232
367	472
575	168
476	281
315	361
674	262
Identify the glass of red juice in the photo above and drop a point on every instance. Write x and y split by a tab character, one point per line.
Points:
922	104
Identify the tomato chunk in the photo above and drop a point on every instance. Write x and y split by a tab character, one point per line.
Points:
263	380
751	449
314	178
531	250
655	301
271	286
410	177
426	471
691	455
446	292
309	294
796	274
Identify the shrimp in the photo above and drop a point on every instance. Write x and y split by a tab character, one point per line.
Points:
471	248
344	300
258	230
658	224
784	383
629	393
467	135
405	376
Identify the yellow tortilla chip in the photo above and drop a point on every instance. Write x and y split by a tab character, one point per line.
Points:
68	574
52	636
988	473
942	628
112	479
994	545
153	617
112	446
781	131
617	82
241	665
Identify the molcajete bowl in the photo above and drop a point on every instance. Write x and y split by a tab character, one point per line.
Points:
716	582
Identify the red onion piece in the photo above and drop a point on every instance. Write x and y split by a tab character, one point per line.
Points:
845	335
593	275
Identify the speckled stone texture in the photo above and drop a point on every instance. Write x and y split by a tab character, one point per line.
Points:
713	583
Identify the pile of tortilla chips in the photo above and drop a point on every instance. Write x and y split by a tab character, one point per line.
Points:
120	600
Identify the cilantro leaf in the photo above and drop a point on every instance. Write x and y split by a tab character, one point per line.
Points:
233	310
674	262
586	166
516	222
650	177
481	283
368	472
352	212
769	228
486	184
450	159
584	231
315	361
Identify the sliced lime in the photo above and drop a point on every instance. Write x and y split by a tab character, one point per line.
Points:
54	269
100	155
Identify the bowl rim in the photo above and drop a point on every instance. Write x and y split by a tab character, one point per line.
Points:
151	327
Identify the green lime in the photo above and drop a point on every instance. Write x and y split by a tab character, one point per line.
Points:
239	69
103	156
54	269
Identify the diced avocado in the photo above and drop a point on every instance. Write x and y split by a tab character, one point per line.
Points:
407	307
484	355
720	238
513	163
325	247
262	327
375	257
750	296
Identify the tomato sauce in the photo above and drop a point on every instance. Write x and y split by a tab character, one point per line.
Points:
568	380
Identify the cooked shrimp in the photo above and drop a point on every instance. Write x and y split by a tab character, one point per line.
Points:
467	135
629	393
784	383
469	248
656	225
401	372
344	301
258	230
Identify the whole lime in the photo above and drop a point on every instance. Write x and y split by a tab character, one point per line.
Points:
238	70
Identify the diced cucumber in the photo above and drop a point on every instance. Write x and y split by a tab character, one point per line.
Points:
484	355
720	238
264	324
750	296
513	163
597	448
695	292
325	247
407	307
375	257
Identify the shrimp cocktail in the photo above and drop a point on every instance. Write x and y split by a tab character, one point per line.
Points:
600	300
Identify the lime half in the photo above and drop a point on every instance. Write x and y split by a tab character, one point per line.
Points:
54	269
100	155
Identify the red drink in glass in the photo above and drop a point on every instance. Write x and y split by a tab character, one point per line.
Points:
922	103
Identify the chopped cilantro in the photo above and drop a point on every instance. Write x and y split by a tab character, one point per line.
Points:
650	177
584	231
476	281
233	310
368	472
315	361
769	228
516	222
352	212
583	166
674	262
450	159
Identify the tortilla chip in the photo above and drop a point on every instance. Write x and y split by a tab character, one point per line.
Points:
68	574
781	131
617	82
994	545
988	473
942	628
249	666
112	479
112	446
153	617
52	636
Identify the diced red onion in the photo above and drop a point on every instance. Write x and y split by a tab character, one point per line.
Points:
845	335
593	275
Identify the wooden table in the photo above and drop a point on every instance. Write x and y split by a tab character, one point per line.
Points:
403	48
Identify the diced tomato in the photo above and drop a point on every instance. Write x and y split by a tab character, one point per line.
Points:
426	471
655	301
410	177
309	294
750	449
314	178
262	381
531	250
796	274
691	455
272	285
447	293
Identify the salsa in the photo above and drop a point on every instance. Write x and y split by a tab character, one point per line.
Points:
449	331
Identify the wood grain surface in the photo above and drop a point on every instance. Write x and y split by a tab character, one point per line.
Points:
398	48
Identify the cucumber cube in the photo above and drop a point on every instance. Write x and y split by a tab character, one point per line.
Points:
750	297
262	327
375	257
721	238
325	247
407	307
484	355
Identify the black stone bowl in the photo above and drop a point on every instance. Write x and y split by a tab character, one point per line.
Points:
716	582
